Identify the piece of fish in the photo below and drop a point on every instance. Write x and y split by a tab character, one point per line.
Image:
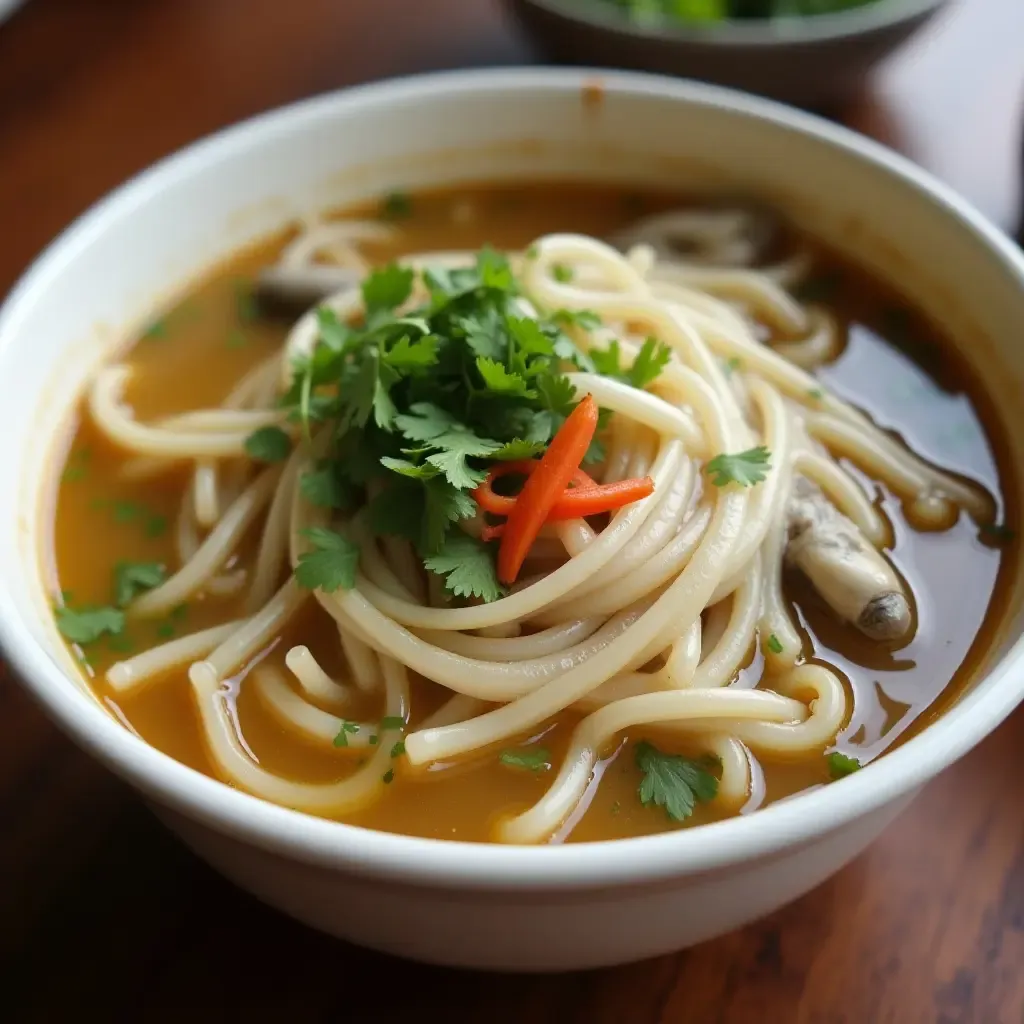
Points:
853	579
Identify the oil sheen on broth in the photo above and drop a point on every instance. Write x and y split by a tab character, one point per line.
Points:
892	365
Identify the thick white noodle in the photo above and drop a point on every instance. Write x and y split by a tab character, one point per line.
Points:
640	625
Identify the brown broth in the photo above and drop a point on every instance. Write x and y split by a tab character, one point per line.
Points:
894	366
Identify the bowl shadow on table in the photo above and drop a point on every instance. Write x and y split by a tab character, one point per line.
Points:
134	923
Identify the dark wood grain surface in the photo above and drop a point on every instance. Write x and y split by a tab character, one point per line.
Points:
103	916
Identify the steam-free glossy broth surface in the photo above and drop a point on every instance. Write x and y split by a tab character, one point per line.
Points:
894	367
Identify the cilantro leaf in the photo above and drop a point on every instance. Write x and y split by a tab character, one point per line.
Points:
386	289
557	393
357	390
774	644
496	378
566	349
413	470
528	337
325	489
384	411
456	446
652	358
494	269
132	578
840	765
330	565
468	567
516	449
422	511
399	510
444	505
534	759
357	456
743	468
429	421
674	782
268	444
391	722
485	333
331	332
585	318
347	728
85	625
407	356
607	361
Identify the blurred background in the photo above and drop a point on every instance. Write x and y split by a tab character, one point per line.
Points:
91	92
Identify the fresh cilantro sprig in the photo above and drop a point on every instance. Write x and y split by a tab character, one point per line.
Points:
674	782
419	399
743	468
652	358
330	564
468	567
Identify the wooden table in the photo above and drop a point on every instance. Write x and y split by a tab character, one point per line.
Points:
103	916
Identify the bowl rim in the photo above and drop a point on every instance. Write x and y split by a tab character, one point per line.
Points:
777	31
465	865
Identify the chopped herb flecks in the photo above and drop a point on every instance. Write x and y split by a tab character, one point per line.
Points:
533	759
127	511
85	625
840	765
346	730
133	578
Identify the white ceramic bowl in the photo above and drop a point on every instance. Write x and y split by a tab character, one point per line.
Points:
549	907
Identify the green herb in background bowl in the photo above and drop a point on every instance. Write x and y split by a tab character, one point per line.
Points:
724	10
813	53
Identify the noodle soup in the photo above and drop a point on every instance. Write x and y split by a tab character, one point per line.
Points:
530	514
